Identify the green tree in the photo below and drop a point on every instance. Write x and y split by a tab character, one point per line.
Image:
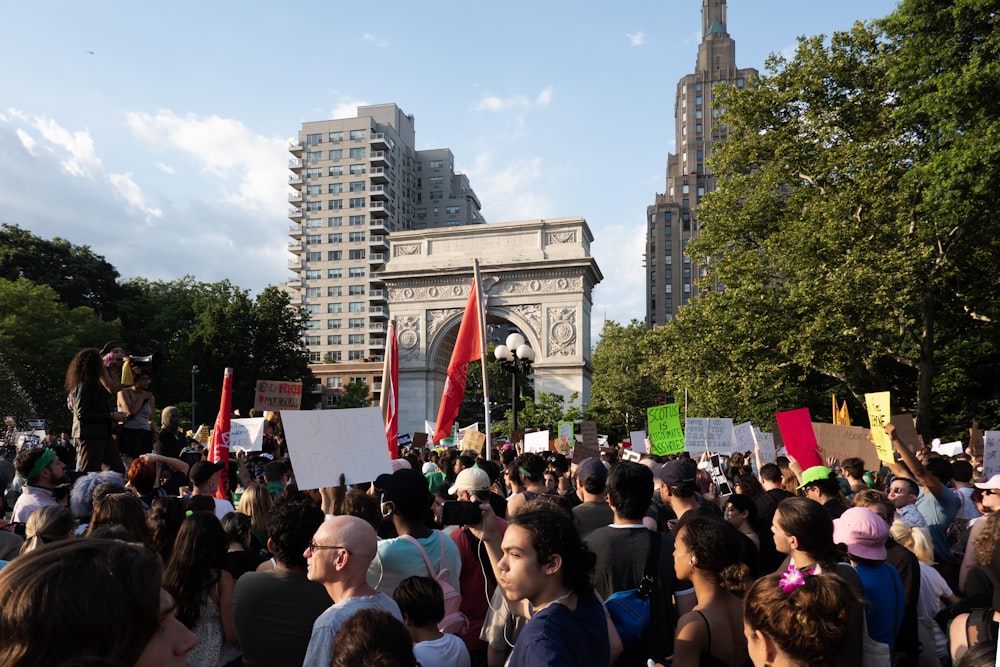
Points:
355	396
544	411
623	386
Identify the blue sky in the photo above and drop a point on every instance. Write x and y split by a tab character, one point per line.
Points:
158	134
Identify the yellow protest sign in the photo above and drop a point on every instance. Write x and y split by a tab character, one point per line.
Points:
878	416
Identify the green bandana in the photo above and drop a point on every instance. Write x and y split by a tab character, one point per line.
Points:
41	464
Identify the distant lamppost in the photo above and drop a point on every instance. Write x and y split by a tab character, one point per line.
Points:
515	358
194	371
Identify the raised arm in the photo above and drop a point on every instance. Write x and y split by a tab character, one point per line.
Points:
928	481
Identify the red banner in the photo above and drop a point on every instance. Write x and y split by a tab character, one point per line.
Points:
218	446
468	348
390	387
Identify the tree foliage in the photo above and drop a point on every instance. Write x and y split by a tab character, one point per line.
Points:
623	384
355	396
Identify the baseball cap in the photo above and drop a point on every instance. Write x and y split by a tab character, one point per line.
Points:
814	474
863	531
405	487
677	472
470	479
591	467
992	483
202	471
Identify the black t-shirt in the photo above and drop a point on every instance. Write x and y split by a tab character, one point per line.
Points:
170	443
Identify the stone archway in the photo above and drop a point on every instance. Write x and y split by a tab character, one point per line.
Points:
537	276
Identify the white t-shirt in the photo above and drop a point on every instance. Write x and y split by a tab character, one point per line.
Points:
222	507
449	651
932	588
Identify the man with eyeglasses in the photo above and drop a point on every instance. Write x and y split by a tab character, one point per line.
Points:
338	557
903	494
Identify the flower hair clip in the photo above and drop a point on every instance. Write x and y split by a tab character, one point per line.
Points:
792	578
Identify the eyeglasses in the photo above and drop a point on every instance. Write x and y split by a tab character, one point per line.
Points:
317	547
898	491
991	492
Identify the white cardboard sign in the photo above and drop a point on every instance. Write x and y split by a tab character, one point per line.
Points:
991	453
638	441
537	441
712	435
246	434
325	443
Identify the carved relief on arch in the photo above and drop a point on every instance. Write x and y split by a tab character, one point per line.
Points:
532	314
408	336
561	327
561	237
436	318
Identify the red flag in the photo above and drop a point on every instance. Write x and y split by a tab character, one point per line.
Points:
468	348
390	387
218	446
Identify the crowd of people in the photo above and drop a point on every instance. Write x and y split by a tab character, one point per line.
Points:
455	560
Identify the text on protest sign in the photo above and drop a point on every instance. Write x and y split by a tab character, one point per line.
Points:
587	447
277	395
991	453
325	443
708	435
845	442
765	443
743	438
879	416
246	434
664	426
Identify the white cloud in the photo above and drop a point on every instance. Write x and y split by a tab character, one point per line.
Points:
165	168
81	157
636	38
226	149
377	41
510	189
514	102
128	190
348	108
26	141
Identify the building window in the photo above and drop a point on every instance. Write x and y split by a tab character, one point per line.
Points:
314	256
739	82
336	154
335	238
313	274
667	230
312	223
314	172
335	290
334	307
334	255
336	204
335	188
685	189
312	340
355	355
312	324
313	139
334	273
357	186
356	339
668	302
701	190
668	260
334	357
357	135
314	205
451	210
334	340
356	272
697	113
336	137
437	194
356	290
697	86
436	164
668	274
697	100
335	221
356	307
357	169
313	239
357	202
686	273
356	323
314	357
314	156
698	128
356	220
333	324
336	171
356	237
334	383
668	288
357	152
668	245
356	254
312	308
687	288
436	180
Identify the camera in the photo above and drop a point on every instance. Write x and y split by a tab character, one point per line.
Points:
460	513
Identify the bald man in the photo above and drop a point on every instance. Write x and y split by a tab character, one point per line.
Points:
338	557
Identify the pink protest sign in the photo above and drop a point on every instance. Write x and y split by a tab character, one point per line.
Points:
799	437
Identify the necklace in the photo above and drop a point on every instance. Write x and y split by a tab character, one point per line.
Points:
551	602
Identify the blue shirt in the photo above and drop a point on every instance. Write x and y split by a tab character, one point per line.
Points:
939	513
884	601
558	635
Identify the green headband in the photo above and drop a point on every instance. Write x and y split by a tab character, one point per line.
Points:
41	464
524	473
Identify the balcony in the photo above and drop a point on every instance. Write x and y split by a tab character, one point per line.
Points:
376	344
376	327
295	247
380	208
295	180
379	139
295	231
295	213
379	175
376	225
295	265
379	158
295	165
379	191
378	311
295	283
378	242
376	295
376	258
295	148
295	197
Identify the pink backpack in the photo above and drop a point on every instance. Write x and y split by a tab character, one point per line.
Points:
454	621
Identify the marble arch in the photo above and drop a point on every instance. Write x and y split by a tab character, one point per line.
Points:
537	275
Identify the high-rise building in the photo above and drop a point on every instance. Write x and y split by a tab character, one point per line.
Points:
671	222
354	182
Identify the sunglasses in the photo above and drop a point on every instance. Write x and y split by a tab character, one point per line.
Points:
991	492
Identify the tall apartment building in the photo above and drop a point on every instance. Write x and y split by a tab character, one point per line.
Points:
672	221
354	182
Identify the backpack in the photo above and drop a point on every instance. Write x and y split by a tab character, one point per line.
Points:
629	610
454	621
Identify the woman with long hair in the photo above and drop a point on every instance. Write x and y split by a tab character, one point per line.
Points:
122	510
256	502
707	553
93	421
239	557
47	524
138	403
530	468
166	514
203	589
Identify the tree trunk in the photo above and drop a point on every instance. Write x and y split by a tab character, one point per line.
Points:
925	377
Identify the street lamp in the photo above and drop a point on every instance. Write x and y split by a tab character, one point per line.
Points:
515	358
194	371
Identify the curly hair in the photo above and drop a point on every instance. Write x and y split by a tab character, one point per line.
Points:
749	484
195	565
810	624
85	368
987	538
531	466
373	638
553	531
290	526
717	549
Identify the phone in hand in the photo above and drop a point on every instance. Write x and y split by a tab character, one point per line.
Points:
460	513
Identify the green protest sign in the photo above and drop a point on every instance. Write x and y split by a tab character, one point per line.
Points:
665	434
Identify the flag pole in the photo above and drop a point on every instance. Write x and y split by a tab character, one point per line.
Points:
484	351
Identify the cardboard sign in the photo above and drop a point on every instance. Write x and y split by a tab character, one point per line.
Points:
474	440
537	441
587	446
976	439
878	416
948	448
991	453
36	424
845	442
325	443
277	395
798	437
906	431
28	439
708	435
765	443
246	434
419	440
664	426
638	441
743	438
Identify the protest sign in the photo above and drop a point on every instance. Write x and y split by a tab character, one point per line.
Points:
277	395
743	437
419	440
536	441
845	442
632	456
664	426
708	435
638	439
906	431
474	440
587	446
798	437
765	443
28	439
36	424
325	443
718	477
976	439
878	416
565	441
991	453
948	448
246	434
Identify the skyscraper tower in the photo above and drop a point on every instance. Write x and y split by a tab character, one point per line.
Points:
671	221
